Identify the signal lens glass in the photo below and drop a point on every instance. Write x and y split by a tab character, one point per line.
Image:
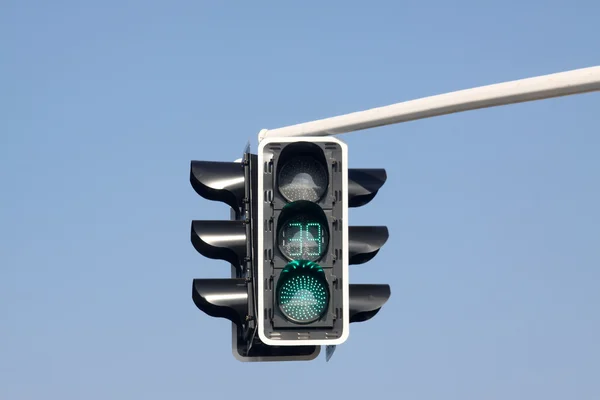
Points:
303	178
302	292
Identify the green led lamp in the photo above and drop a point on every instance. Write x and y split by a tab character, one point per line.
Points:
302	292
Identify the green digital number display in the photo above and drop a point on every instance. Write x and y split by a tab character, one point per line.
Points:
307	239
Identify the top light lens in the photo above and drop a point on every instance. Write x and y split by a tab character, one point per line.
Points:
303	178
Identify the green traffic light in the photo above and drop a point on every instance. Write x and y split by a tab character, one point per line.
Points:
302	291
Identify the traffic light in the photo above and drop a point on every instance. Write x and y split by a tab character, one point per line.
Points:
304	243
364	243
233	240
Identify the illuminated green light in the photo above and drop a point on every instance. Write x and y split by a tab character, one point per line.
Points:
303	292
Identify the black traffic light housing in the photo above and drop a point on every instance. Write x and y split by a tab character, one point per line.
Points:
289	246
366	300
233	240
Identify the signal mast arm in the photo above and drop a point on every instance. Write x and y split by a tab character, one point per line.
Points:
538	88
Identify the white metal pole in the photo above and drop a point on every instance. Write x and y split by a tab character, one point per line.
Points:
538	88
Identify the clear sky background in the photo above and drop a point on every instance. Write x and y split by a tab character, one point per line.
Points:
494	215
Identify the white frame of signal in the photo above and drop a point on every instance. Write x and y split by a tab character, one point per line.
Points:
260	252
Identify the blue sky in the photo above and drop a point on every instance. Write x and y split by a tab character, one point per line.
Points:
493	256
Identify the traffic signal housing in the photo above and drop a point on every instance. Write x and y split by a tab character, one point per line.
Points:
233	241
366	300
304	243
221	239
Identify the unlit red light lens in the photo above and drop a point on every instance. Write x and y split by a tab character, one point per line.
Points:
303	178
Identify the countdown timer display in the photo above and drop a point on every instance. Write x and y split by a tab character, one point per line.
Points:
303	237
